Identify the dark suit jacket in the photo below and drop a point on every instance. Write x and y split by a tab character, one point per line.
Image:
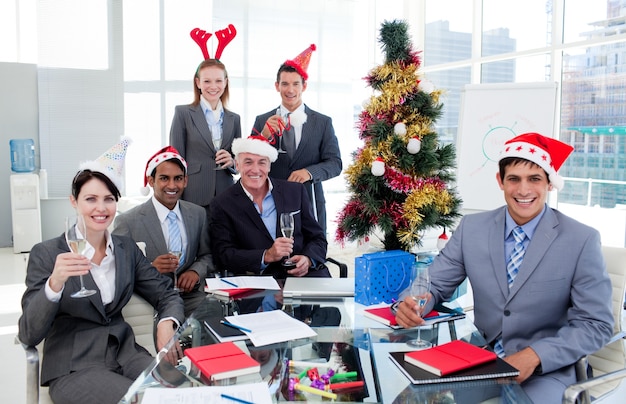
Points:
191	136
318	152
239	237
141	223
77	331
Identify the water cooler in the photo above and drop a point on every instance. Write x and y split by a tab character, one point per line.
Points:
25	205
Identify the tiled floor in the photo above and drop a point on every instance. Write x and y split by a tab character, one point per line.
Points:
12	274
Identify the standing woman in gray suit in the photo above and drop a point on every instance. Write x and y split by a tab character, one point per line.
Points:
195	126
90	353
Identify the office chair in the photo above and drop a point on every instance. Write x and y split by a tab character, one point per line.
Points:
138	313
608	365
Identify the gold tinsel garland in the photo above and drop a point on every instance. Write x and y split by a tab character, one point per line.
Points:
427	195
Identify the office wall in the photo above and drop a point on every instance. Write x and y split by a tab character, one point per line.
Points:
19	119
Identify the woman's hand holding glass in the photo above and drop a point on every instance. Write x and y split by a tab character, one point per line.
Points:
76	237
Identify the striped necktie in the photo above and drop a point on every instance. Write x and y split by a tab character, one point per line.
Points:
175	242
515	260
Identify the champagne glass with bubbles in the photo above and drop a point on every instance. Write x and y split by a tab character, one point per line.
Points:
287	228
76	237
216	136
420	289
177	252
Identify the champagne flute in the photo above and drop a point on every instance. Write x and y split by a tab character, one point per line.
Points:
280	133
420	289
176	250
287	228
76	237
217	144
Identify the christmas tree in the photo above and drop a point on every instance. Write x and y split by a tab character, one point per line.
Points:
400	179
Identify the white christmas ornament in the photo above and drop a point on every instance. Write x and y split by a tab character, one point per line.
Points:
414	145
442	240
399	129
426	86
378	167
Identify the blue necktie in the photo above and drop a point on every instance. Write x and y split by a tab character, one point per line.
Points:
515	260
175	240
512	268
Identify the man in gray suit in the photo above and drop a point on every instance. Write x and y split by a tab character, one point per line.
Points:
166	172
542	295
308	148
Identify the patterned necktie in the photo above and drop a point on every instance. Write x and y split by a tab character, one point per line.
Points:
290	138
175	241
515	260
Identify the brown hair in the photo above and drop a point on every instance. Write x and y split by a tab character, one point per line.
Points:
197	92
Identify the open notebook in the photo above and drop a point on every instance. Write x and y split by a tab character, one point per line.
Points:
318	287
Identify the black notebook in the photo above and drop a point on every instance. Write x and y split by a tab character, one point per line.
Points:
223	332
490	370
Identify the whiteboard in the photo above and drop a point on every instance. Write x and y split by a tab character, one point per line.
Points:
490	115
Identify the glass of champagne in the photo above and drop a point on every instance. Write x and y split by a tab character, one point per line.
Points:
280	133
420	289
217	144
287	228
176	250
76	237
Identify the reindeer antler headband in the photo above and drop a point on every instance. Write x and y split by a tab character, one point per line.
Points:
224	36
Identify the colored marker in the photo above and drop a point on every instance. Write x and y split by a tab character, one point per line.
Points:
313	390
345	385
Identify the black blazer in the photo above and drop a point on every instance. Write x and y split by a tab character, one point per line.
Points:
239	237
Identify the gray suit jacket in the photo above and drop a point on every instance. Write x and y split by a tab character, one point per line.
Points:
560	301
141	223
318	152
191	136
77	331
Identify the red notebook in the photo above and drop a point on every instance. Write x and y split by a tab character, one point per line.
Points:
450	357
221	361
385	316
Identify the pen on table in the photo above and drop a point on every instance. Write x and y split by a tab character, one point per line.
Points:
229	283
239	400
226	323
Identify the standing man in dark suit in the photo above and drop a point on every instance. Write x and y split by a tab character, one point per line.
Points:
166	172
311	150
245	234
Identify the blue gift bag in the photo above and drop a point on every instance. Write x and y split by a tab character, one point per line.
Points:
381	276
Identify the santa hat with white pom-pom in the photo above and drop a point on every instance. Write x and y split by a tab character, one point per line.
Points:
165	154
546	152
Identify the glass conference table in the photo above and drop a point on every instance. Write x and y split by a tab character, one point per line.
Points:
357	346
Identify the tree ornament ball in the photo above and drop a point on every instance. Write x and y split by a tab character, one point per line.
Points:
414	145
399	129
378	167
426	86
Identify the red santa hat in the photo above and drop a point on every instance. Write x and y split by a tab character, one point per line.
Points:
301	62
547	153
165	154
255	144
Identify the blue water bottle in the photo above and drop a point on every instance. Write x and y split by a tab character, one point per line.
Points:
22	155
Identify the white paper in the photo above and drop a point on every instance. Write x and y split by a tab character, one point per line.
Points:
251	282
269	327
257	393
